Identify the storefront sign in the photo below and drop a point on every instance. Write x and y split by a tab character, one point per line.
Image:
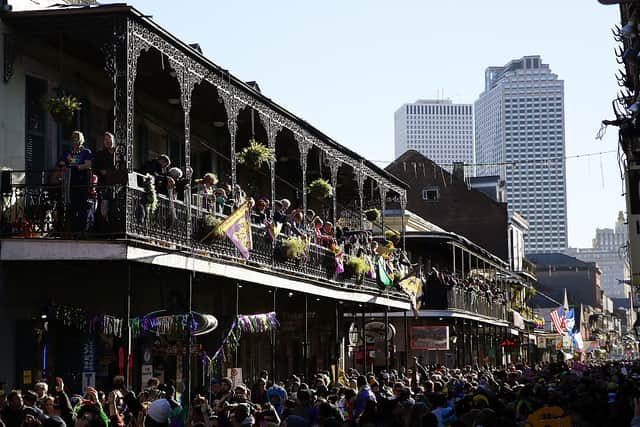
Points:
429	338
26	377
518	320
88	380
374	332
236	376
147	373
88	355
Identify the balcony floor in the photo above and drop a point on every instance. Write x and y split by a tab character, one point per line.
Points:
121	250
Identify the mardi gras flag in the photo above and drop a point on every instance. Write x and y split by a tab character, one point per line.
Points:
340	262
237	228
273	229
413	287
382	273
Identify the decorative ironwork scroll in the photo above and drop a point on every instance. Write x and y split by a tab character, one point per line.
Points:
304	146
334	166
273	130
360	177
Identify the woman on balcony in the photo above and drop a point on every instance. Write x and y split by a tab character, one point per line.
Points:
205	189
79	160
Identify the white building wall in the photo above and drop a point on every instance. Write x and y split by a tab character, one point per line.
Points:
12	110
520	136
438	129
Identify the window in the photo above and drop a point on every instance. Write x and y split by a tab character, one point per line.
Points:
431	194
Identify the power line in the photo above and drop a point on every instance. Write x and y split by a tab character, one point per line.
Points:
520	162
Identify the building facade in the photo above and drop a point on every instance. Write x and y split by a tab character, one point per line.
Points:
450	202
83	264
608	251
438	129
519	124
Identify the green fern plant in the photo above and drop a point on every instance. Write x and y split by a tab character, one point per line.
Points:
372	215
320	189
255	155
293	248
62	108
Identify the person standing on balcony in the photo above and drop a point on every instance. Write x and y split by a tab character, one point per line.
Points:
79	160
158	168
205	189
105	166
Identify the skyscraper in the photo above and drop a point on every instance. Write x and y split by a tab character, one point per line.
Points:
608	251
437	129
520	136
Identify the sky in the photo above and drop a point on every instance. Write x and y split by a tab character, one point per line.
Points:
346	66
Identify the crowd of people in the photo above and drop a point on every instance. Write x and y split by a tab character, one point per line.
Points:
212	197
552	394
473	286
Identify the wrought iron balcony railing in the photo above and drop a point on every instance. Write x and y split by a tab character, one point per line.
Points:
34	205
458	298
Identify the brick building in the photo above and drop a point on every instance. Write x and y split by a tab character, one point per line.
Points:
450	202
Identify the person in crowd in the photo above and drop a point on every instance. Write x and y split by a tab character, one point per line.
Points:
12	414
260	212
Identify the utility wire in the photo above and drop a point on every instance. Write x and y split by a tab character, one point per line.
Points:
520	162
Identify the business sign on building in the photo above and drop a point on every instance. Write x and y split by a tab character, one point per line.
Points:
429	338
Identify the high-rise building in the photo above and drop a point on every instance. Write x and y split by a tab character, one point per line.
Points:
607	250
437	129
519	122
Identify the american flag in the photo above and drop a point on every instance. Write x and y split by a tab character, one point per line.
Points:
558	319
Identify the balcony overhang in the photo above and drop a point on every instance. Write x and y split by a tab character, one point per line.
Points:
74	250
457	314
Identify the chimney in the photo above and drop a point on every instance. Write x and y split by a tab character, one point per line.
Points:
458	170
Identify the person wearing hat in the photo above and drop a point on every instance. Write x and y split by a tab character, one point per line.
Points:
158	413
79	161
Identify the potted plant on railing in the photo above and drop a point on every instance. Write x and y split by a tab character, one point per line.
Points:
372	215
211	228
357	267
255	155
62	108
293	249
393	236
320	189
150	196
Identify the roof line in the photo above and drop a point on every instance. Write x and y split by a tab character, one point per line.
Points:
146	19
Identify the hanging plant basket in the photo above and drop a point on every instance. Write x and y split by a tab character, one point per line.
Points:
320	189
255	155
211	228
62	108
372	215
293	248
530	293
150	197
357	267
392	236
